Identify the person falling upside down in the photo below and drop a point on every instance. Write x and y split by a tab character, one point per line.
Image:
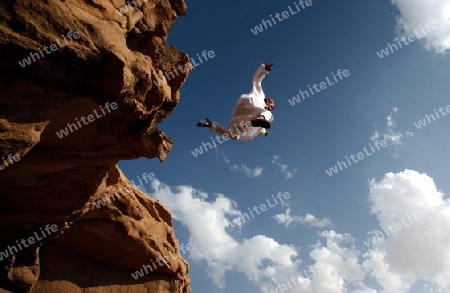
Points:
252	113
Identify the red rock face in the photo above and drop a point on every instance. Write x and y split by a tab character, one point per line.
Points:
86	67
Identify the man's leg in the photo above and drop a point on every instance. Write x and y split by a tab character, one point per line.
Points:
217	128
238	129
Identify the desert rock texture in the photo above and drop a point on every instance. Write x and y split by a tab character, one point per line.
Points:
77	95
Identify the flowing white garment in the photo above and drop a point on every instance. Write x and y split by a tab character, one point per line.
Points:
248	107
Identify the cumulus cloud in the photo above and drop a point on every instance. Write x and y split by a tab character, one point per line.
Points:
285	170
415	14
416	253
340	257
418	247
267	263
310	220
209	223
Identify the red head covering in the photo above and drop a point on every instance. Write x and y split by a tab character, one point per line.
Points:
270	100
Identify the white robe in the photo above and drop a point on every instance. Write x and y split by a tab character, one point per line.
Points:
251	105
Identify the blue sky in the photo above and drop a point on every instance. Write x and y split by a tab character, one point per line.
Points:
326	220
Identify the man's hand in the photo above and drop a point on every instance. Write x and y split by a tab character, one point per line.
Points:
268	66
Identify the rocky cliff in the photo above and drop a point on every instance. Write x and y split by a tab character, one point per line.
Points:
77	94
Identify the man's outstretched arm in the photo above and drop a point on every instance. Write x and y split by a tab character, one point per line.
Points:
259	75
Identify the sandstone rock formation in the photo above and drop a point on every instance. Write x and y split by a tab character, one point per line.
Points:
106	75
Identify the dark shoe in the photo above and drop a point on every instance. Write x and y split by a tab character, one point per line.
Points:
204	123
261	123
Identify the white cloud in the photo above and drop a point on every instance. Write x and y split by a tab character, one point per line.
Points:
375	136
255	172
208	223
310	220
264	261
341	259
391	135
414	14
419	250
316	222
288	172
242	168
